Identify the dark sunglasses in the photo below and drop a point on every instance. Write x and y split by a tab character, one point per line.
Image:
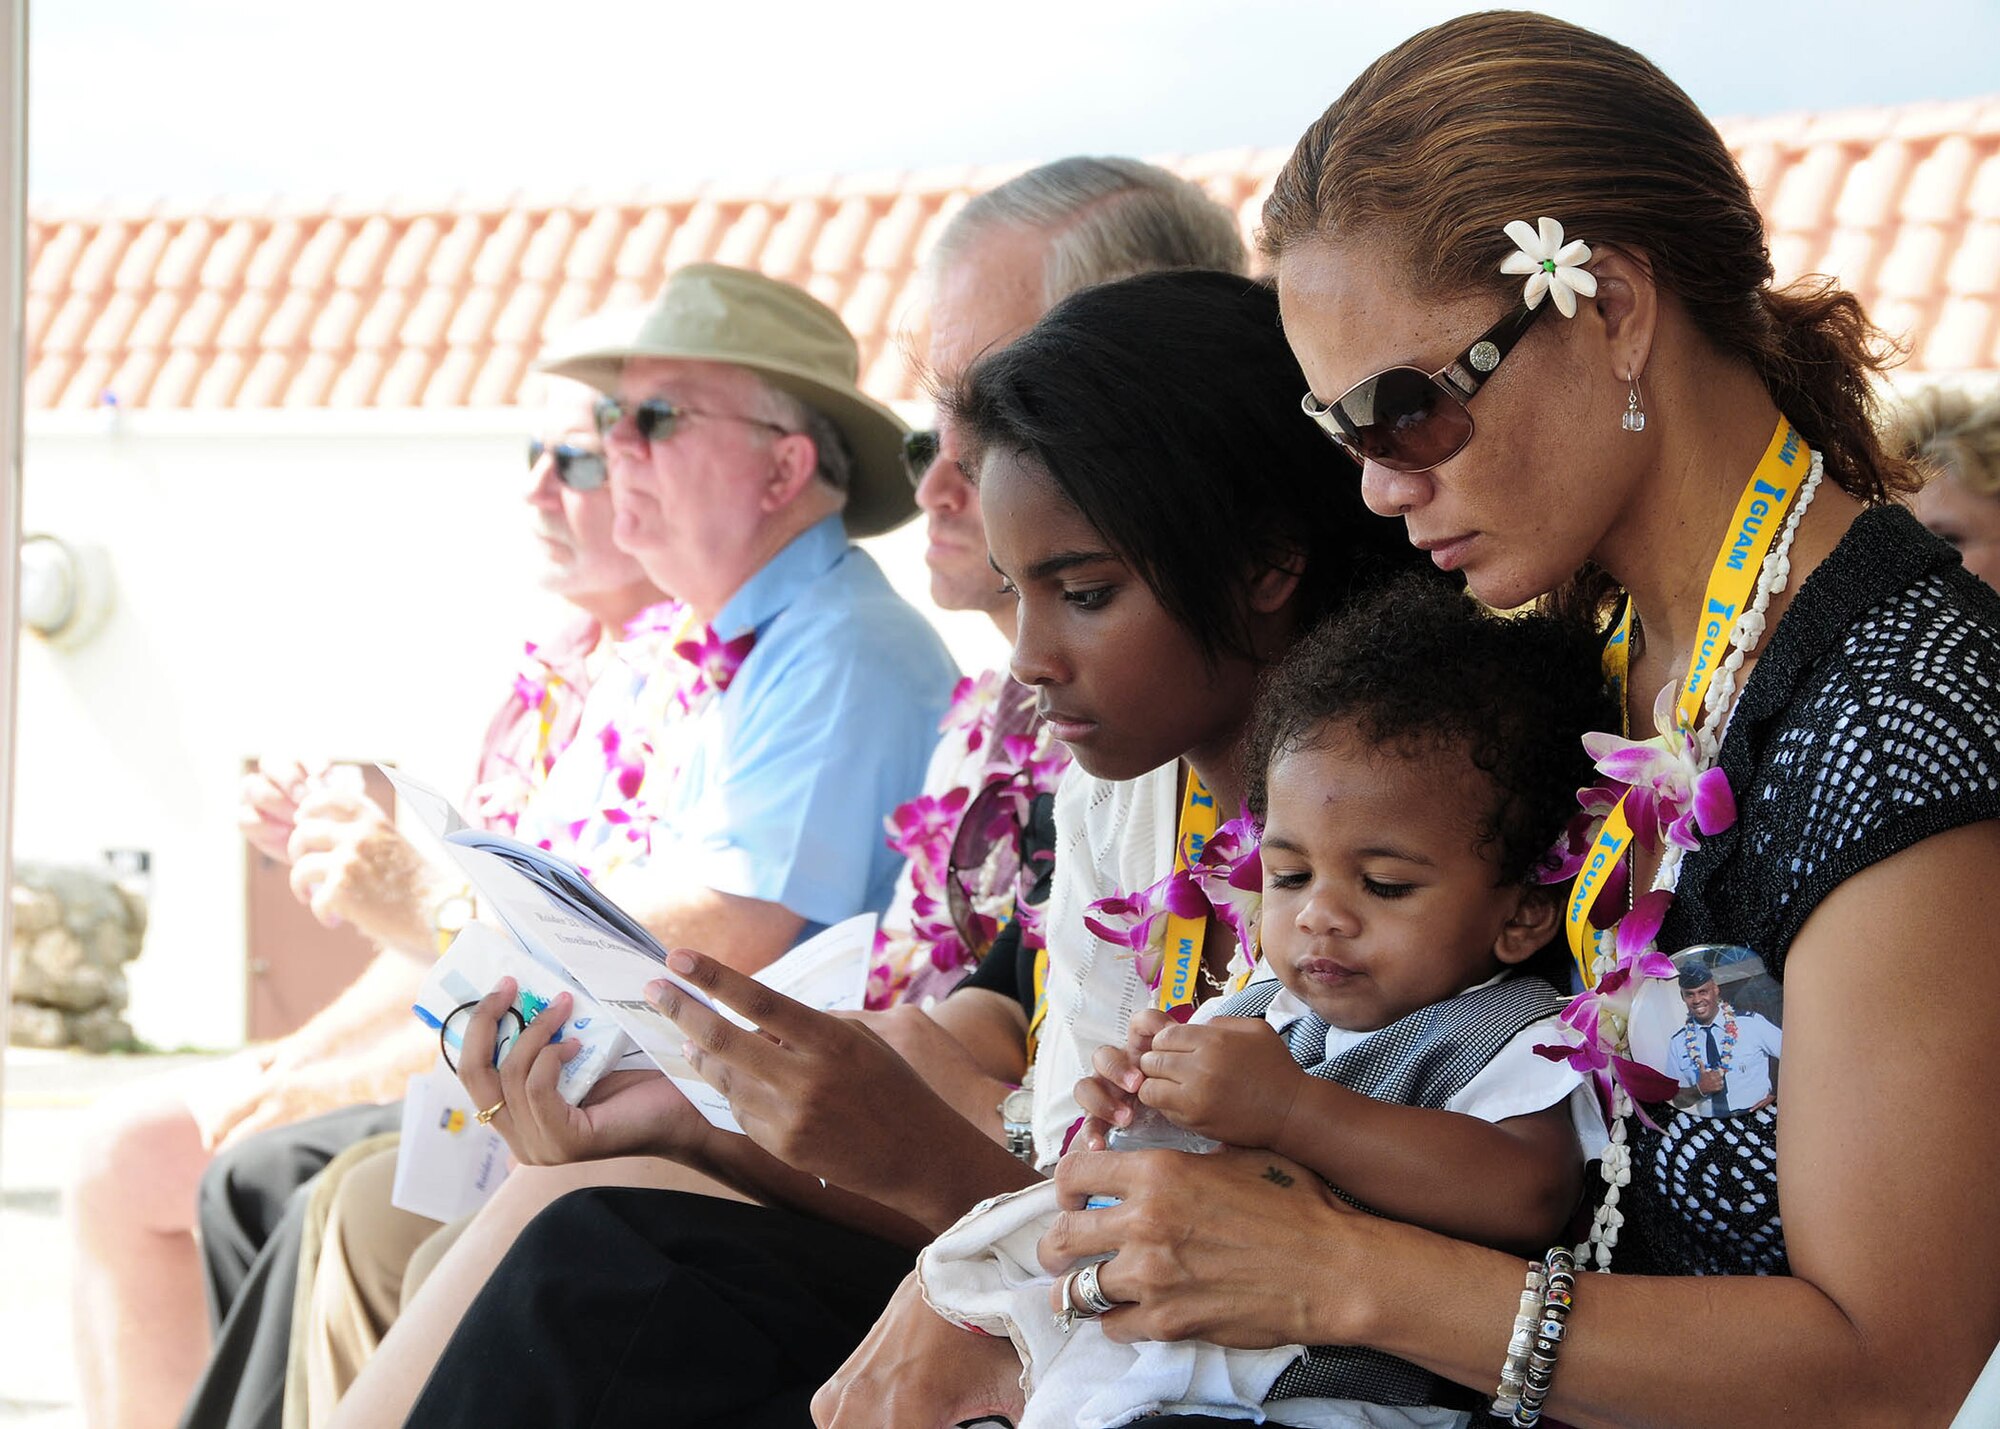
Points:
1407	419
985	860
920	449
576	468
656	419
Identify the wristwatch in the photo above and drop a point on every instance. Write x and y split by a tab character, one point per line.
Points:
449	917
1017	1120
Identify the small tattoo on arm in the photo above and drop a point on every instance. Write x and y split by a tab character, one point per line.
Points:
1276	1177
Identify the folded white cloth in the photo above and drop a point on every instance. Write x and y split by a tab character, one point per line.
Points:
983	1274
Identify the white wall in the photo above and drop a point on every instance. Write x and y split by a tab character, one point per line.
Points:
342	584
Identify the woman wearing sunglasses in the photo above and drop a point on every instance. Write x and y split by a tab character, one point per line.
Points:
1530	291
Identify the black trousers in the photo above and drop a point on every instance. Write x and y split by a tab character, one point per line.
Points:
623	1306
251	1211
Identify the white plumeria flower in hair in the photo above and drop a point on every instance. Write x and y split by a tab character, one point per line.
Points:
1552	266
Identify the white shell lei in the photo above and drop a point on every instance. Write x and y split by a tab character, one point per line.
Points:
1775	574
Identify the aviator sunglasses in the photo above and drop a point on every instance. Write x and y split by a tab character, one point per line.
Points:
1406	419
576	468
656	419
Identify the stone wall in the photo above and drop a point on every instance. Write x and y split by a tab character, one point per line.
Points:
74	931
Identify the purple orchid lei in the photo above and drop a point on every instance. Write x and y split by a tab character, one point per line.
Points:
1008	771
686	668
1226	879
1671	802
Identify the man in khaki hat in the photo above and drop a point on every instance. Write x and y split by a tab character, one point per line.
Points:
742	457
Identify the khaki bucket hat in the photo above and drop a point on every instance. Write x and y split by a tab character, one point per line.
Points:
713	313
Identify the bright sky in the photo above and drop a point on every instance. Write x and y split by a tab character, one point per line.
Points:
135	99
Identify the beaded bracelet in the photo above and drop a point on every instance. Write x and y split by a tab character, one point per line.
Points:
1545	1343
1513	1373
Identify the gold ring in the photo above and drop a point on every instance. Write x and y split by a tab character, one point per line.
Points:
485	1117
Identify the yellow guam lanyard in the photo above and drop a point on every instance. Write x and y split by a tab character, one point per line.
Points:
1180	976
1180	973
1753	530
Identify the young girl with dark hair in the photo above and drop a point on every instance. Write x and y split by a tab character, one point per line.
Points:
1530	290
1144	647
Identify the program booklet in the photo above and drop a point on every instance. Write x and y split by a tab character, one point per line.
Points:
556	917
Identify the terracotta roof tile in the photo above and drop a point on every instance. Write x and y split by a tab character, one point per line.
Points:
499	376
1804	197
362	262
87	383
286	329
1914	266
245	320
1956	340
199	322
695	239
46	379
314	380
312	270
180	266
425	302
412	253
72	320
403	383
428	319
1976	261
99	260
592	251
541	261
644	243
449	383
520	321
451	261
157	320
379	328
264	385
114	321
574	300
892	241
333	329
500	255
141	259
177	378
1983	199
1874	185
56	258
220	381
742	243
355	387
472	321
788	250
1938	185
37	311
271	265
132	379
222	269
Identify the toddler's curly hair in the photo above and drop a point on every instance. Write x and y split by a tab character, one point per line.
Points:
1419	668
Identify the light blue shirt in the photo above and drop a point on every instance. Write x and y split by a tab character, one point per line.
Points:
826	727
1758	1040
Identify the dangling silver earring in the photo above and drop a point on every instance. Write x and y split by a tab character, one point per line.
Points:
1634	419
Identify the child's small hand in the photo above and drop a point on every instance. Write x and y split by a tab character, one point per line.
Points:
1109	1097
1231	1079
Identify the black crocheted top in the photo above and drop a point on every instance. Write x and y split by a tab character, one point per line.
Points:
1870	721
